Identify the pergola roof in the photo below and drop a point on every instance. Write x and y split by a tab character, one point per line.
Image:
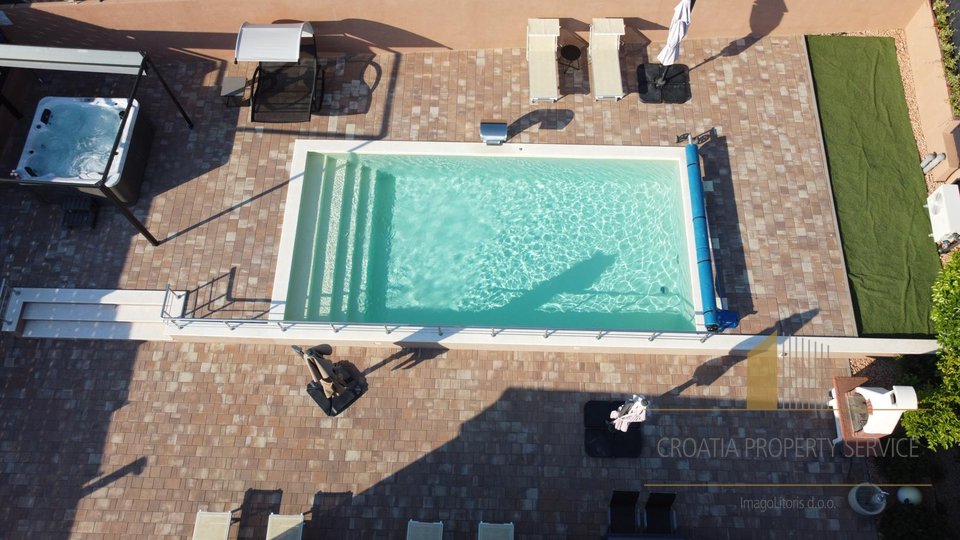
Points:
63	59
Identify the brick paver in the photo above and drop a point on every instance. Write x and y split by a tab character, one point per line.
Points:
115	440
216	194
105	440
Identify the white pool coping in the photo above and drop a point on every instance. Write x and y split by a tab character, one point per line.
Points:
291	212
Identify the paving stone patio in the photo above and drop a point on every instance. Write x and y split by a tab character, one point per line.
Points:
112	440
115	440
215	195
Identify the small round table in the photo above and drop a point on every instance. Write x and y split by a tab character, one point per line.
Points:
571	54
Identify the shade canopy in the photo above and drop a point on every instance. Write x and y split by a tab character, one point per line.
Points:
678	29
62	59
271	42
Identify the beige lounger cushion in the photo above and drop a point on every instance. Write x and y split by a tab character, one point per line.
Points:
212	525
495	531
542	36
418	530
605	58
281	527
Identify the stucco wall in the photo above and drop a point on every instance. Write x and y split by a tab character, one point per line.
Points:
208	27
933	102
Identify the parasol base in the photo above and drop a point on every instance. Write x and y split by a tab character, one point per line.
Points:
676	86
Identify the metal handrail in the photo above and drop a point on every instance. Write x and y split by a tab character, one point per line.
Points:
168	290
389	328
5	292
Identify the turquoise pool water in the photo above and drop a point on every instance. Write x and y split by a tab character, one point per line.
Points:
491	241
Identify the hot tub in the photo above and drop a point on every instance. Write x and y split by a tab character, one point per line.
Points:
70	140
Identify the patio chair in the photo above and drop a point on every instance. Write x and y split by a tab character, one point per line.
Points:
658	514
284	92
622	517
285	82
212	525
604	51
419	530
544	72
495	531
285	527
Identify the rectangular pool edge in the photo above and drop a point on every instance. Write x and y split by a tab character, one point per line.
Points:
302	148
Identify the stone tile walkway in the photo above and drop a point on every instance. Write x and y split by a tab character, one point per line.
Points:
112	440
116	440
215	195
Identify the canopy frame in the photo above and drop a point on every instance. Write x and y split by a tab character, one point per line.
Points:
271	42
92	61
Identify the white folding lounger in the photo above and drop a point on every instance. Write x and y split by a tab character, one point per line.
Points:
285	527
542	37
212	525
604	50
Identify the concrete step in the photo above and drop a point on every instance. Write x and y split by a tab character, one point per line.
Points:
90	312
146	331
88	296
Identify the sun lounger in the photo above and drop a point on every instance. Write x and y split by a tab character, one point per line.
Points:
542	36
285	81
658	514
495	531
604	53
212	525
285	527
419	530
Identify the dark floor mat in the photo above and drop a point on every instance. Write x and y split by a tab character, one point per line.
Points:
601	440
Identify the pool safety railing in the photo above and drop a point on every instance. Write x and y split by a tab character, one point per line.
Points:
183	328
182	321
5	293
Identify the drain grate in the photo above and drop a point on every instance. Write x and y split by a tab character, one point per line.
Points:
80	212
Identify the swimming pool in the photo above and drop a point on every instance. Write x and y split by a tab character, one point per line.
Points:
521	236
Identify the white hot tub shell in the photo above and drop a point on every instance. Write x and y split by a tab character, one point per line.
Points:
59	156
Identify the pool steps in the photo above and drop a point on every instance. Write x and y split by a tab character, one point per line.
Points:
340	246
87	314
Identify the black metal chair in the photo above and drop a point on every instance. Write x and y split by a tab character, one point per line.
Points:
284	91
658	514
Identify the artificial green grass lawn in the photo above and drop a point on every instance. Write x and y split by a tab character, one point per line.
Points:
878	187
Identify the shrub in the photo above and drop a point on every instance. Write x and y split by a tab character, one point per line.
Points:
938	420
908	521
943	16
946	307
902	469
919	370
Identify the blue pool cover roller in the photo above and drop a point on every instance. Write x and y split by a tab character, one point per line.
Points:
701	238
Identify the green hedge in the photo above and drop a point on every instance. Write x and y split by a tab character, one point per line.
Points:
938	420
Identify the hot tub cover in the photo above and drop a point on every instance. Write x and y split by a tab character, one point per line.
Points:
271	42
